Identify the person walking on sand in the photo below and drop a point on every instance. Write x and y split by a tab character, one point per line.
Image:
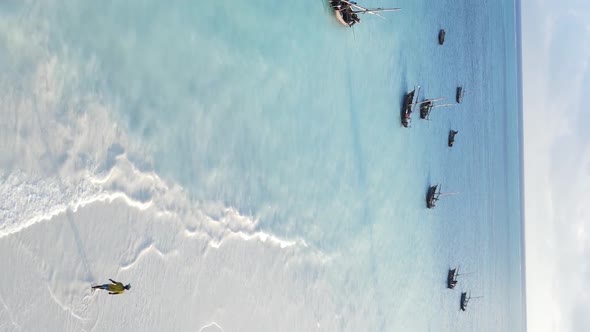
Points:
115	288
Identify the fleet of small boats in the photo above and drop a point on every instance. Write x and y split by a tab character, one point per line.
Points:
347	13
452	281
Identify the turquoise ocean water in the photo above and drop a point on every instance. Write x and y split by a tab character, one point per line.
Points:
277	110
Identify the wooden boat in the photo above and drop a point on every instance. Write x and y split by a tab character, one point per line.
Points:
452	278
441	36
466	298
346	12
433	195
459	96
428	105
452	134
409	102
464	301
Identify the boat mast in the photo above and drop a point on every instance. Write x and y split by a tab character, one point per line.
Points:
430	100
416	94
443	105
363	10
374	10
448	194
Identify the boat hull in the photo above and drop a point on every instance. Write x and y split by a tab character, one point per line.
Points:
459	96
406	112
451	282
441	36
430	197
342	12
425	110
464	301
451	140
339	18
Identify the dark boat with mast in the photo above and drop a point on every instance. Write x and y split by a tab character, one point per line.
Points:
428	105
410	100
346	12
441	36
452	277
452	134
466	298
464	301
433	194
459	96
